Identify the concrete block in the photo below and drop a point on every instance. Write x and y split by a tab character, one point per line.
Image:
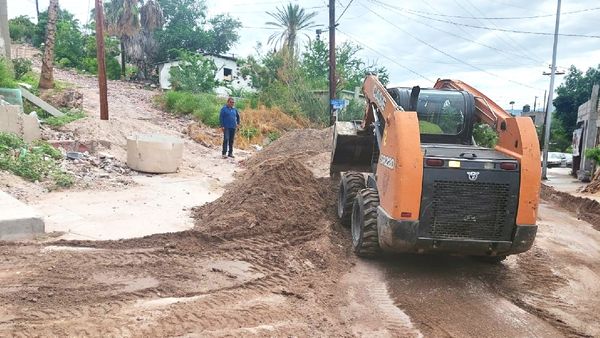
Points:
153	153
12	120
17	220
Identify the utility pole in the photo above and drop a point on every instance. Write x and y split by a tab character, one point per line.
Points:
37	10
550	92
101	61
332	78
4	36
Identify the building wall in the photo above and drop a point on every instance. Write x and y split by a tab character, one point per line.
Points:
587	118
224	65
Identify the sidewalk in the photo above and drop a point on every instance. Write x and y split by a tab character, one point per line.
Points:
17	220
561	180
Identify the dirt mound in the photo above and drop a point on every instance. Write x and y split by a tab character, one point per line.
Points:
296	144
276	196
585	208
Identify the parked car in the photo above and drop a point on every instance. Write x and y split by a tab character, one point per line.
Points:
555	159
568	159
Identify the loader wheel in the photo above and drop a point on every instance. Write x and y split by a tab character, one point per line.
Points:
350	184
365	239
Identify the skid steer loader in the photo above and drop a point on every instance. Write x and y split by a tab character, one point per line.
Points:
414	180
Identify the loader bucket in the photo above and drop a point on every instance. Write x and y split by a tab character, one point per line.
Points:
352	148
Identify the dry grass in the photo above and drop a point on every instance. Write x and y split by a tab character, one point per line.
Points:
259	124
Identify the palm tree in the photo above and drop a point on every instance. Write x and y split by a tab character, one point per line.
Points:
122	21
47	75
292	19
4	36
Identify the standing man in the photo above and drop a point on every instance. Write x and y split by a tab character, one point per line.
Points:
230	120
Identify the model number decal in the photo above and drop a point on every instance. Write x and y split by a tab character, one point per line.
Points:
379	98
387	161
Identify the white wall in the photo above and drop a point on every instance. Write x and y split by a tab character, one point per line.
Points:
236	80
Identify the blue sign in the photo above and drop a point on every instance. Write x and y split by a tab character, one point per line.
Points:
338	103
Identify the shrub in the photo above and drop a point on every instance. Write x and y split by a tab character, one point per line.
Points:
593	154
7	76
22	66
59	121
33	162
248	131
194	73
21	29
484	135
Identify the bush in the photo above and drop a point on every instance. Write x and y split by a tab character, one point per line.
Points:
33	162
484	135
7	76
194	73
249	131
204	106
21	29
593	154
59	121
22	66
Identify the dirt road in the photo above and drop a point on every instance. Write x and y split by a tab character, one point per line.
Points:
233	278
268	258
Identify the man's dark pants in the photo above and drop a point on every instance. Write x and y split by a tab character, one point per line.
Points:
228	135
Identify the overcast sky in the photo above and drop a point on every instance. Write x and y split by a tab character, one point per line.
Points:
420	41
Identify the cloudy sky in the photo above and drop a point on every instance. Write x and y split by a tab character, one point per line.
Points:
420	41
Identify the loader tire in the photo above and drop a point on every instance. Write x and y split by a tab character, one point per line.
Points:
350	184
365	238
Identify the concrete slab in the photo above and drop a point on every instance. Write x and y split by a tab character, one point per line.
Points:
17	220
157	204
12	120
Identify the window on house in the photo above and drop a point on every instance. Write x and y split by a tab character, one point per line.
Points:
227	74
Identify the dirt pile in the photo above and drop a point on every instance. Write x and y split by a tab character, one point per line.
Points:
585	208
278	196
296	144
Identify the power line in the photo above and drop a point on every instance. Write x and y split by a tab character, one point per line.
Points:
506	30
507	53
523	52
445	53
344	11
383	55
501	17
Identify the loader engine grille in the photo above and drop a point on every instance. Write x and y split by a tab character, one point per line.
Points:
469	210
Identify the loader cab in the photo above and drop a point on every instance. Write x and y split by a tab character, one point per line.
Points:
445	116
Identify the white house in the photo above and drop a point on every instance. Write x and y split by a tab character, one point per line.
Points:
227	71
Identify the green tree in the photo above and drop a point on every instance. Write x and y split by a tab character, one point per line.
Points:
291	20
39	35
574	91
351	69
187	28
21	29
69	42
123	22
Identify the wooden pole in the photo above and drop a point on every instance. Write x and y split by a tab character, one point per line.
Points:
332	78
101	61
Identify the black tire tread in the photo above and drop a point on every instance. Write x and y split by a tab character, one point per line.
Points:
370	237
355	182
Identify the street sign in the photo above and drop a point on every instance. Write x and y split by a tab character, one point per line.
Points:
338	103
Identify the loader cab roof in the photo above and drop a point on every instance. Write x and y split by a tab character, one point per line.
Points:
445	116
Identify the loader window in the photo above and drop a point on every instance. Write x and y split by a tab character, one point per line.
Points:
441	112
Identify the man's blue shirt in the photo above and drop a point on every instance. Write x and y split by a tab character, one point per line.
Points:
229	117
